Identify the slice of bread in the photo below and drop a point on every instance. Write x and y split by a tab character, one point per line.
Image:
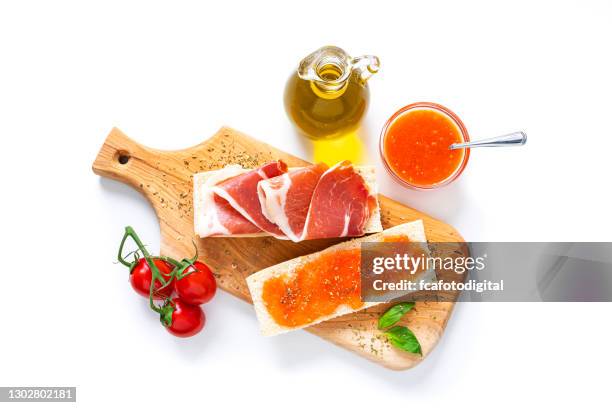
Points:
414	231
367	172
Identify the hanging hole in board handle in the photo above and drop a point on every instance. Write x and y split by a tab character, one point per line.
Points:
122	157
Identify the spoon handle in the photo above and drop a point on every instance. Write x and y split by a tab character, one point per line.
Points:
511	139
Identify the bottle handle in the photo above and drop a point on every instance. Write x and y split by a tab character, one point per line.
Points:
367	65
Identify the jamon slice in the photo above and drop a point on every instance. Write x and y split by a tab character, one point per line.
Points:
232	220
213	214
341	204
241	193
285	199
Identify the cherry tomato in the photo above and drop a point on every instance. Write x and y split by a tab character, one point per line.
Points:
140	278
198	286
187	319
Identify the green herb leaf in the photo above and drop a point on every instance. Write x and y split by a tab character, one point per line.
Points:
404	339
394	314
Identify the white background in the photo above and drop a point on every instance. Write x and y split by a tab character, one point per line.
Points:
169	74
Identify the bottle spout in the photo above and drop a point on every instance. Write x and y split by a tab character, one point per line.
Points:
329	67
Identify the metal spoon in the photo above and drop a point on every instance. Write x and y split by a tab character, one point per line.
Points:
511	139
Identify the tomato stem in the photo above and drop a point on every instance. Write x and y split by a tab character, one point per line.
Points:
155	273
165	313
120	257
182	266
170	260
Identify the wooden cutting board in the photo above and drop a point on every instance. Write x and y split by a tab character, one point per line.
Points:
165	178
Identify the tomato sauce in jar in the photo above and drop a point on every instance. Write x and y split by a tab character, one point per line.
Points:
415	145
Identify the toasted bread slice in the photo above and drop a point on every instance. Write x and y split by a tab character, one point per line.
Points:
414	231
199	180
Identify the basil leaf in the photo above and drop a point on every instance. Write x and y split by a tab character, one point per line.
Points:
404	339
394	314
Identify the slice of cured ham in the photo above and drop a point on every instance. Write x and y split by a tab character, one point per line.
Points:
232	220
240	192
213	214
318	202
341	204
285	199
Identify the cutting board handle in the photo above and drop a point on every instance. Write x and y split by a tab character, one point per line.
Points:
163	177
123	159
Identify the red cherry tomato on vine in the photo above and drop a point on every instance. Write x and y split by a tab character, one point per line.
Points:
198	286
187	319
140	278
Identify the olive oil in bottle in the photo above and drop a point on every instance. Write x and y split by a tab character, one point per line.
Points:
328	95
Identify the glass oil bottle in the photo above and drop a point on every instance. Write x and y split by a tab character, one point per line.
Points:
328	94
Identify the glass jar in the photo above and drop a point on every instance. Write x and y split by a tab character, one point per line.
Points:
421	149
